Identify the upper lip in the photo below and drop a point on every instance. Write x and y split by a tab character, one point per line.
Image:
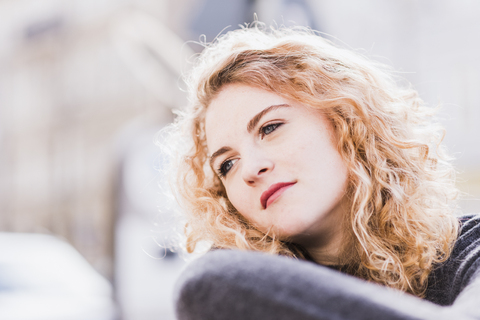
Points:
271	190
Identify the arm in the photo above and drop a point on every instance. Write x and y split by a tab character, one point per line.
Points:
233	285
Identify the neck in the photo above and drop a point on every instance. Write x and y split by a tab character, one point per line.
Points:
327	253
326	242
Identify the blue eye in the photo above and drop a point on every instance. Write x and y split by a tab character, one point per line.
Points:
225	167
269	128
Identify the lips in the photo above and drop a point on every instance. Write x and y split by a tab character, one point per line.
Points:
274	192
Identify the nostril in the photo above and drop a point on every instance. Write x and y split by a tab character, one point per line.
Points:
263	170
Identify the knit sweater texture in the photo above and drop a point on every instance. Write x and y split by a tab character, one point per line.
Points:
232	284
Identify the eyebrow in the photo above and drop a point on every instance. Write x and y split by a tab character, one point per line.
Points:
217	153
251	125
256	119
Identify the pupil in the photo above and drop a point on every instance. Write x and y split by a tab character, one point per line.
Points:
269	129
227	166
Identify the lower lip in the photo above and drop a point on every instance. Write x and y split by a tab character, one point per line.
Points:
276	195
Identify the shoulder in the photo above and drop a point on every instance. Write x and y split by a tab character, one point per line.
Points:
469	223
448	279
466	252
468	242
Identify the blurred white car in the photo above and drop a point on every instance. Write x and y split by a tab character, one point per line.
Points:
42	277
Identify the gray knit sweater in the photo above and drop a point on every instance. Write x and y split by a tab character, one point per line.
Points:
227	284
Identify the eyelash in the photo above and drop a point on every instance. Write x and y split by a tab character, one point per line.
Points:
222	172
270	125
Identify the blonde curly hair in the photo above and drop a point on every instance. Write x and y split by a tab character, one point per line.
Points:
401	221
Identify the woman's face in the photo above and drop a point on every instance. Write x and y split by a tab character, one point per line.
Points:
278	162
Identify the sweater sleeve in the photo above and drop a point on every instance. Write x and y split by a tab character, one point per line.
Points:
227	284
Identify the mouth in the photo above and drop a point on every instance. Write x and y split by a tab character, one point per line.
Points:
273	193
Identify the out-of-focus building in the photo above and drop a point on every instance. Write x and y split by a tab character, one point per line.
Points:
66	91
84	86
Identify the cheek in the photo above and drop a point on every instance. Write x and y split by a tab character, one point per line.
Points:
300	153
238	197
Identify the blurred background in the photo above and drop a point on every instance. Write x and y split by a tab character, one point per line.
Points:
86	84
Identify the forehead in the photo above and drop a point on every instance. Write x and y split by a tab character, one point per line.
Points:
230	111
241	100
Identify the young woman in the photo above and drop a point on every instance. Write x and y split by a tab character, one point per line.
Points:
295	147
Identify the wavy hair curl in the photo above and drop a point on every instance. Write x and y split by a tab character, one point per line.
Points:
401	222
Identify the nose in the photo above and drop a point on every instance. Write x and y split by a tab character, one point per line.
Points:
255	167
